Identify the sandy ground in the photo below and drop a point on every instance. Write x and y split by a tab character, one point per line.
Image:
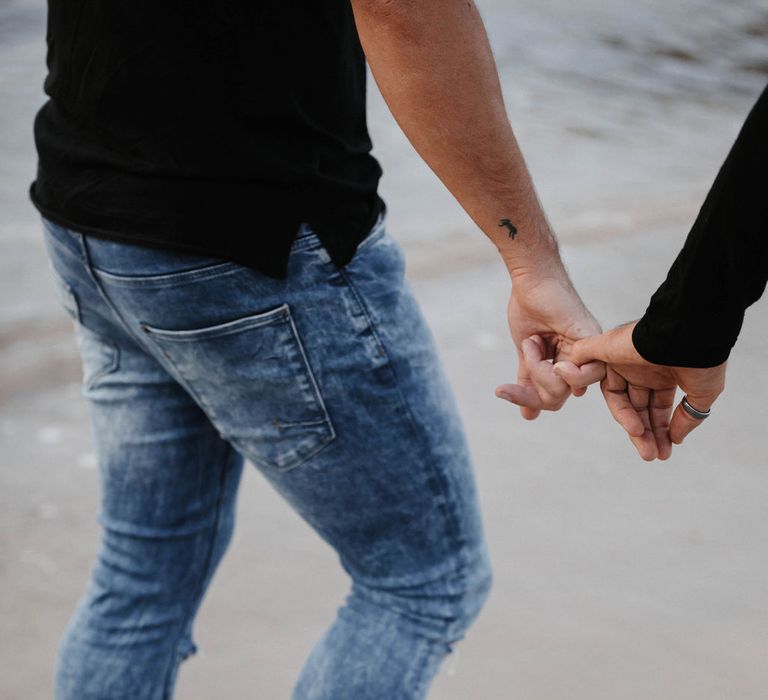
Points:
614	578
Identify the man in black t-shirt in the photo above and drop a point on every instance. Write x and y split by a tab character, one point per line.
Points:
211	213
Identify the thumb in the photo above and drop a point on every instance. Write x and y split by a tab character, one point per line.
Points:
614	346
682	422
586	350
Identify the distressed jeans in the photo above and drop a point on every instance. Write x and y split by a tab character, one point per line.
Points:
328	382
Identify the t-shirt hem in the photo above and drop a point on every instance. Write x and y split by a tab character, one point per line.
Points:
150	242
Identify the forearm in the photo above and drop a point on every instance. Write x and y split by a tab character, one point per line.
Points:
434	67
695	316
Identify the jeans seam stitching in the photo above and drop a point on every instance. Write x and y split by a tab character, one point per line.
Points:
238	325
206	570
454	528
310	373
109	369
171	279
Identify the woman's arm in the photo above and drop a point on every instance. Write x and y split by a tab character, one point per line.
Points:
695	316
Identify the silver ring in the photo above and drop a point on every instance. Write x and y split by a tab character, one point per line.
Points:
695	412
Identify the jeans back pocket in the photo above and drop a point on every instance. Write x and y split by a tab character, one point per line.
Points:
253	379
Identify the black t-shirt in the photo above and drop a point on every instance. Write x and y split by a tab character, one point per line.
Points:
208	127
695	316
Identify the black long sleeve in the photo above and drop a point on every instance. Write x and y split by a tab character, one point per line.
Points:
695	316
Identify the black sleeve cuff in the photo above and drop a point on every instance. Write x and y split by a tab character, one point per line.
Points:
667	342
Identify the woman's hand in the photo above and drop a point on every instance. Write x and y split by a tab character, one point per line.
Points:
640	394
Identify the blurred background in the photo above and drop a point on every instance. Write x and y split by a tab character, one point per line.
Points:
615	579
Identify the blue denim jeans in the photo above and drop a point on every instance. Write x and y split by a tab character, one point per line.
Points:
329	383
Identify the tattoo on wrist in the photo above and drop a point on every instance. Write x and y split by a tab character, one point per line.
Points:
512	228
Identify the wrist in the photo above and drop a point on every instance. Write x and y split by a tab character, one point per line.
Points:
535	262
527	251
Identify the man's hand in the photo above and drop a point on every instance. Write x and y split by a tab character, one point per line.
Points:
640	394
545	317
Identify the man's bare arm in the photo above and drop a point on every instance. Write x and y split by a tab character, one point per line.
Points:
434	67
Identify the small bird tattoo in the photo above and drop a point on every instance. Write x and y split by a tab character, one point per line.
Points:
512	228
